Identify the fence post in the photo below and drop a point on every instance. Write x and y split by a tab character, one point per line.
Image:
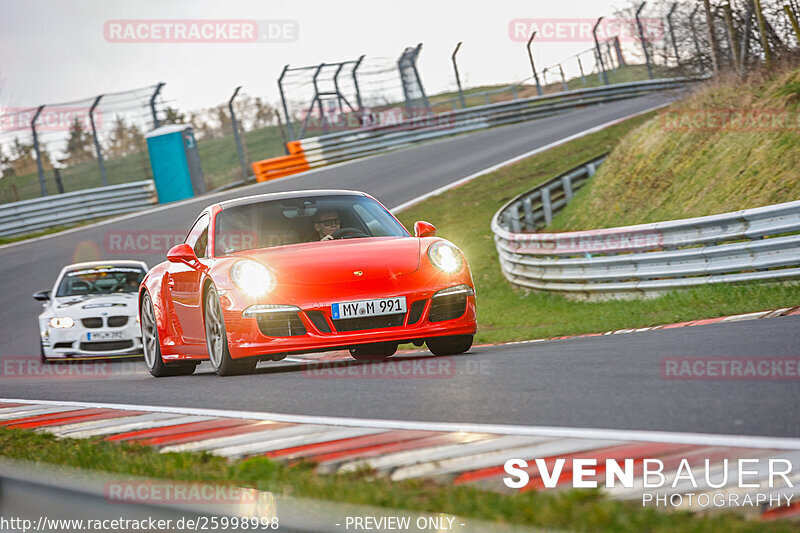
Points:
458	78
563	78
732	40
700	58
100	162
236	137
39	166
580	66
599	54
618	48
789	13
547	207
644	42
672	34
59	183
355	83
156	122
289	128
762	29
712	36
533	67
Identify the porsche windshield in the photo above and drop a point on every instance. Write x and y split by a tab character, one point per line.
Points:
304	219
100	280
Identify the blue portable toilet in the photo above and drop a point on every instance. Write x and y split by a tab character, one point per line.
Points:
175	163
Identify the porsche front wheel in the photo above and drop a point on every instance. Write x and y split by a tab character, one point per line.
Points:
217	341
151	346
374	352
452	345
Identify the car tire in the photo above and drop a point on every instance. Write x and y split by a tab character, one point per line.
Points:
374	352
452	345
217	341
151	346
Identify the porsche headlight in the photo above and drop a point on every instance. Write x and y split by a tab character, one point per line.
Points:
445	257
62	322
252	277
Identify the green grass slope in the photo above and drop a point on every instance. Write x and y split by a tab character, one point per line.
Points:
680	164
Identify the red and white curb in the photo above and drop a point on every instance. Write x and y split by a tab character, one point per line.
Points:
446	452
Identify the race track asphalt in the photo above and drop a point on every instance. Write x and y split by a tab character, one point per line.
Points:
603	382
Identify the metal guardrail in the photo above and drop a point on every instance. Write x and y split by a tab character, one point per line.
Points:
29	216
752	244
342	146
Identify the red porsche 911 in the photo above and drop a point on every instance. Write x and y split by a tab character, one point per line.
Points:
265	276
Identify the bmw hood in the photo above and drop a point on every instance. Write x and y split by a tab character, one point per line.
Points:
342	261
89	305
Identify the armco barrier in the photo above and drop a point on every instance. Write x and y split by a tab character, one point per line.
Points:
753	244
58	210
345	145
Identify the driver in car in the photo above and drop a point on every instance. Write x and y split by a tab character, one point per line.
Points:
326	223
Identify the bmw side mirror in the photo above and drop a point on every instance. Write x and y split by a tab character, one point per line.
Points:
41	296
181	253
424	229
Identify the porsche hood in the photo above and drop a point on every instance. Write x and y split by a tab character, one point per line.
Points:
339	261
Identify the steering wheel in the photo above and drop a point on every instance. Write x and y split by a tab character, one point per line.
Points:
348	233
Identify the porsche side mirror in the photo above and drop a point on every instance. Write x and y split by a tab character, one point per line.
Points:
181	253
41	296
424	229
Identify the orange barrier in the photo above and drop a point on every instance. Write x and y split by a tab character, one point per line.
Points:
278	167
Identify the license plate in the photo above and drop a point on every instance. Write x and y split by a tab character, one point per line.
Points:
365	308
105	336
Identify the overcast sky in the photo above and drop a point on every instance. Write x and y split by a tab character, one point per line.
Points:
54	51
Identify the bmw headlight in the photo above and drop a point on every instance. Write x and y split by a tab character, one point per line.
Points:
252	277
61	322
446	257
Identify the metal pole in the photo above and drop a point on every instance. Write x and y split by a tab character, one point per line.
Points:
458	78
609	56
618	48
762	28
563	78
580	66
732	40
355	83
336	88
748	28
712	36
700	57
100	162
236	138
419	80
599	54
672	34
289	128
319	100
789	13
533	67
644	43
156	122
39	166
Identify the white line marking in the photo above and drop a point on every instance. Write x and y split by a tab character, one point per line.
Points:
514	159
704	439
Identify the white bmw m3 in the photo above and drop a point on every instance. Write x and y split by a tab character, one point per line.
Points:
92	312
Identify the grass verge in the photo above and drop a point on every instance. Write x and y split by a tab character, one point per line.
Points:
505	313
584	510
